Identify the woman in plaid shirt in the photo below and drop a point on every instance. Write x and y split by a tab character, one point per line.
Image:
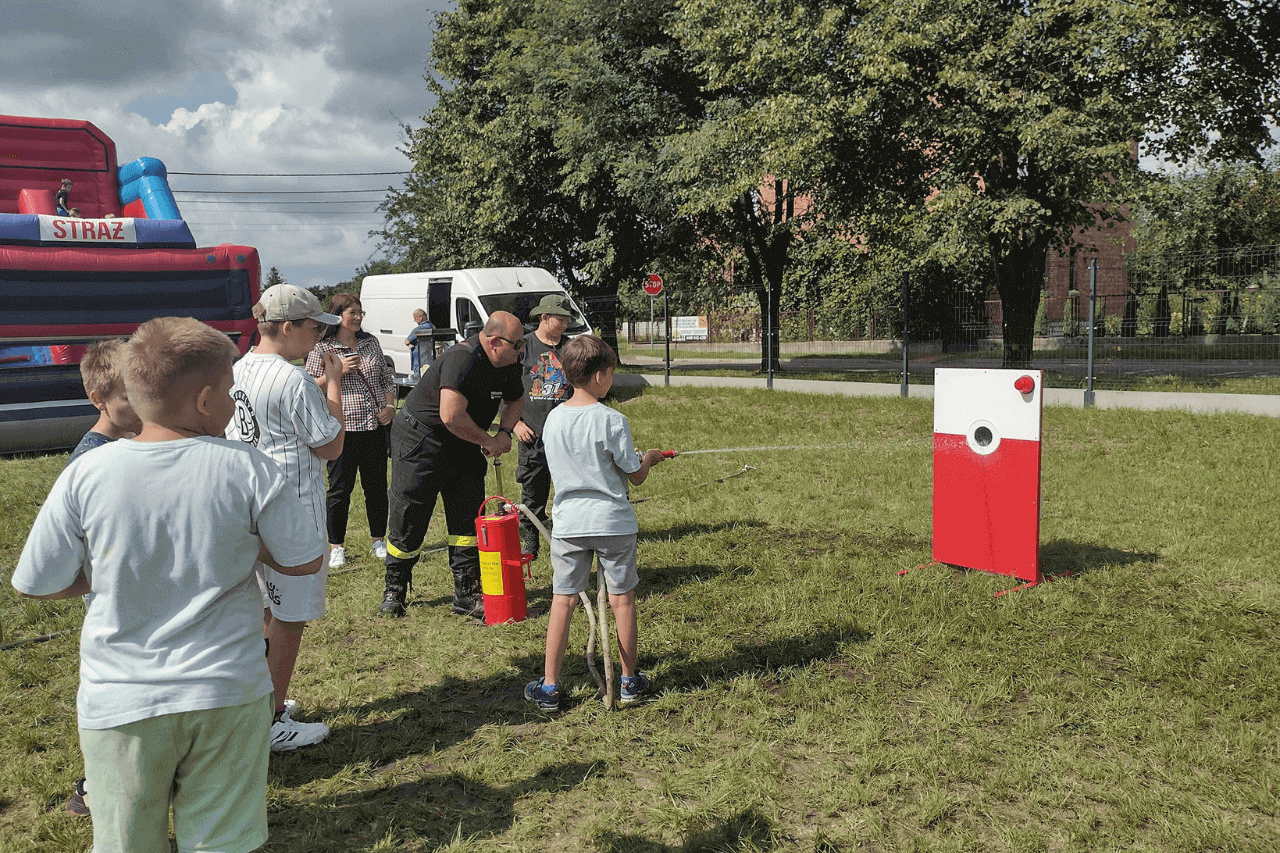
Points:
368	405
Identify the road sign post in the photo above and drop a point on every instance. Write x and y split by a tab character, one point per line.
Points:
653	287
666	326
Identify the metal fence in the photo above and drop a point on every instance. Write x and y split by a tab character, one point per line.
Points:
1208	320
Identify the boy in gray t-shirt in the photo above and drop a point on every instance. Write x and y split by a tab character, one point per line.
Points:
592	458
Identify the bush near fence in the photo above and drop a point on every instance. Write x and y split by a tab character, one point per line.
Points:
1178	310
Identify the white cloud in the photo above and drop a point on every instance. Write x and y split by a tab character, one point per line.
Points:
318	85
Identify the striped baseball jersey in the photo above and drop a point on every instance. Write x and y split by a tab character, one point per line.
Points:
282	411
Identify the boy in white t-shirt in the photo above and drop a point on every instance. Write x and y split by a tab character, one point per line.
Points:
282	411
592	458
174	702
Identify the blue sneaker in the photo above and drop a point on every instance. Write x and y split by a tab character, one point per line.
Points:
633	687
546	700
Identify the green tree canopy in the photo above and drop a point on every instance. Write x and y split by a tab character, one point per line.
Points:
961	138
569	134
1222	207
541	149
1011	122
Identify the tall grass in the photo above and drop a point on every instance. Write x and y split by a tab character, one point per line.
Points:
808	697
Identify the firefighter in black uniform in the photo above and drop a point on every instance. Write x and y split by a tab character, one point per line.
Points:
439	442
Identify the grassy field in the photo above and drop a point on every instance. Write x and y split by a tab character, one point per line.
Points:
808	697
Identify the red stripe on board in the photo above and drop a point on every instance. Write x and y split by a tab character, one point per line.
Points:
986	509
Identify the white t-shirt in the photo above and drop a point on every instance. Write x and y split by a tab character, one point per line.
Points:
281	411
167	534
590	454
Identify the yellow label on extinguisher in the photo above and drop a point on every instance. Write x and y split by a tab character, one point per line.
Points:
491	573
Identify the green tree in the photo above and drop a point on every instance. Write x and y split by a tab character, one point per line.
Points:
540	150
1209	233
1011	122
273	278
1224	206
572	134
745	172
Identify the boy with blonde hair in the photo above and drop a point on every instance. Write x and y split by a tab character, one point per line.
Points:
592	458
101	372
174	703
104	386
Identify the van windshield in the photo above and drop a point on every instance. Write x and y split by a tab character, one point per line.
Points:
520	304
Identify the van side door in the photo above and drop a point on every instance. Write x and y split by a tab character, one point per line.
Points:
438	291
470	320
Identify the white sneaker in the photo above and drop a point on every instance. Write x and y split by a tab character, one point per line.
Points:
337	556
287	733
380	549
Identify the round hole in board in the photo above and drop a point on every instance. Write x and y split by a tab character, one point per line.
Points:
983	436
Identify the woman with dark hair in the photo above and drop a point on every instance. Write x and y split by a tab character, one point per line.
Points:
368	405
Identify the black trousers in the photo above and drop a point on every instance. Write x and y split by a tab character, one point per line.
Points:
427	463
535	486
363	452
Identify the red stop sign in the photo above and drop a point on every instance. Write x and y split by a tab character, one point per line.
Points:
653	284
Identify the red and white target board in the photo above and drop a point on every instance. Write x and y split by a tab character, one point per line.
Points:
986	470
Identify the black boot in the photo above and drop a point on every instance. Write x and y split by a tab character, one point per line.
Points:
392	603
467	598
529	539
398	581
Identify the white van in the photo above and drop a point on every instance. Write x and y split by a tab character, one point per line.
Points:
461	300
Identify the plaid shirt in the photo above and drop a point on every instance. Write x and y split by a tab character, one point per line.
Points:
364	390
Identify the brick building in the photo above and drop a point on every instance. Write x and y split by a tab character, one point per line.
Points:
1065	273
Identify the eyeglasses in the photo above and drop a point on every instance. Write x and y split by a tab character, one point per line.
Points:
353	313
515	345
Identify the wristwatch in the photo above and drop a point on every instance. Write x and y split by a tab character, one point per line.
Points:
508	430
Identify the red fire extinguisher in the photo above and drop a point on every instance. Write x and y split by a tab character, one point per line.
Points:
502	563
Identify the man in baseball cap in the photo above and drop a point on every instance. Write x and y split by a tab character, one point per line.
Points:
545	387
290	302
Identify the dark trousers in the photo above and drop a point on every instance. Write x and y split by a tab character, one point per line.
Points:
364	452
427	463
535	486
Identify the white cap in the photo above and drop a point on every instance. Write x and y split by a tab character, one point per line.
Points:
290	302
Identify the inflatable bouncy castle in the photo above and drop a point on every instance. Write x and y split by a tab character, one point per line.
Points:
88	251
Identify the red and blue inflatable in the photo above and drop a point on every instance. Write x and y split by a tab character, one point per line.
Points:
67	281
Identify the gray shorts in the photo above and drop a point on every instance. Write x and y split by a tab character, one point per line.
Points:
571	563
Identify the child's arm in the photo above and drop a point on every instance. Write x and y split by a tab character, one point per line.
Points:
333	399
647	461
264	556
78	587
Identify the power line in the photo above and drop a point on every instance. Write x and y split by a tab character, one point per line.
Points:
278	192
283	174
253	230
328	201
283	216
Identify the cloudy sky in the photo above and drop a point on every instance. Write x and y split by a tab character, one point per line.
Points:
234	86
